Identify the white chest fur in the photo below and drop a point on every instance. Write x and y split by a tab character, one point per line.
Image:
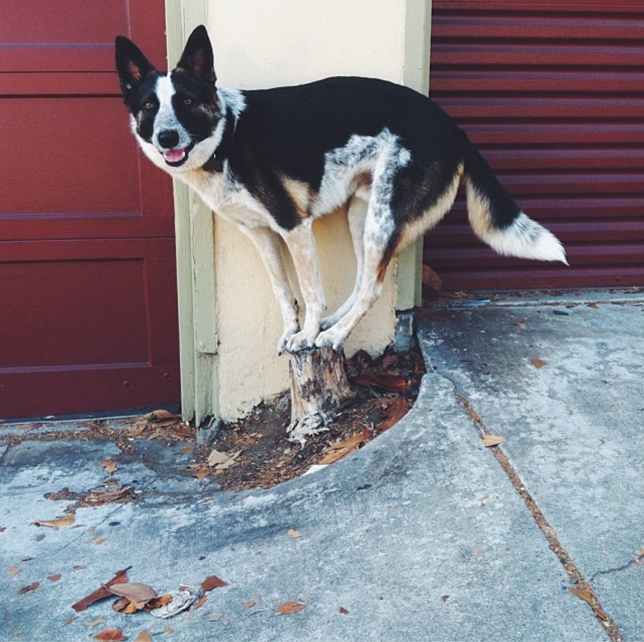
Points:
229	199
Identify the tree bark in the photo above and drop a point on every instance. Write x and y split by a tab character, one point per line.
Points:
319	386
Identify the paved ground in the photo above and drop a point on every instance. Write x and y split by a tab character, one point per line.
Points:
423	535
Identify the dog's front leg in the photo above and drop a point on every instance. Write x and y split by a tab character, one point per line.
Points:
301	244
268	244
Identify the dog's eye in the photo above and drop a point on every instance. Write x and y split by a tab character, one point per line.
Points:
149	105
187	101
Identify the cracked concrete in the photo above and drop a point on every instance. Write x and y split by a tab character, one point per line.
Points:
418	536
574	427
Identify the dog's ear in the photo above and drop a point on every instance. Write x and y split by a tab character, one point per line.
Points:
197	58
132	66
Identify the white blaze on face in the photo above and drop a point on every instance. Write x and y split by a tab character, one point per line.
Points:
166	120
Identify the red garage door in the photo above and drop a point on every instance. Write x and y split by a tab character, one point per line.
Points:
552	93
88	316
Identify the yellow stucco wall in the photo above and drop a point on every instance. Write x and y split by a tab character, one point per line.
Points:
263	43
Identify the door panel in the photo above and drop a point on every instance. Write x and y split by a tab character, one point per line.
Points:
88	319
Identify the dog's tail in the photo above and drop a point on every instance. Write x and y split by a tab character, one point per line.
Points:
497	219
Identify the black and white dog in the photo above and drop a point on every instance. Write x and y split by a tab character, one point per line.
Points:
274	160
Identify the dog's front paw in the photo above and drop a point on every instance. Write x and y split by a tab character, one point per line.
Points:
300	342
282	344
330	339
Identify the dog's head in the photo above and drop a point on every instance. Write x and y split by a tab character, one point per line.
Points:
176	117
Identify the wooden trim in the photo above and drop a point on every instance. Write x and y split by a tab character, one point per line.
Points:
195	258
416	76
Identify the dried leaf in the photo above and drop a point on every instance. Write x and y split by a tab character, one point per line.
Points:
389	361
179	601
389	383
158	602
202	473
333	453
291	532
54	578
394	412
216	457
592	304
212	582
521	324
27	589
492	440
290	607
584	594
110	465
102	592
343	611
112	635
123	605
68	520
93	623
639	553
101	541
14	570
144	636
138	594
71	619
199	603
431	279
538	363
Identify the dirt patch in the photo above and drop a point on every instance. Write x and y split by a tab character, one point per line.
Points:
385	389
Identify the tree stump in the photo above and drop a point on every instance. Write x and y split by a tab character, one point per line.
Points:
319	386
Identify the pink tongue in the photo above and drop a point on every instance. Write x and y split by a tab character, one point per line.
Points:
174	155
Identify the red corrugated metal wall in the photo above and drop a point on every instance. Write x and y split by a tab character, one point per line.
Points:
552	93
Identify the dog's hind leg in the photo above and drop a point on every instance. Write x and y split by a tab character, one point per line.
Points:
268	244
301	244
356	216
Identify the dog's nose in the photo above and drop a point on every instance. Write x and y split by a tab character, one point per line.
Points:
168	138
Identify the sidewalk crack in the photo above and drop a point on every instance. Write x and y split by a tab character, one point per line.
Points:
582	588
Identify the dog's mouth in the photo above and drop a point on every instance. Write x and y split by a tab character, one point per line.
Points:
177	157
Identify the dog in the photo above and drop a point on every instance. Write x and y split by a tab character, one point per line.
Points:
274	160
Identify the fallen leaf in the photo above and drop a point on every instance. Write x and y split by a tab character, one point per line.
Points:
431	279
54	578
93	623
138	594
592	305
639	553
168	629
71	619
388	383
27	589
389	361
144	636
291	532
343	611
492	440
290	607
112	635
394	412
333	453
202	473
538	363
123	605
600	614
14	570
212	582
199	603
584	594
521	324
158	602
101	541
216	457
68	520
102	592
110	465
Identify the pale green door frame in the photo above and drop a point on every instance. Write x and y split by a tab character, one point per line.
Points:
195	227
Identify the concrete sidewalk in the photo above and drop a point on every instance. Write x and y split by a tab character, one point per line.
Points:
423	535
